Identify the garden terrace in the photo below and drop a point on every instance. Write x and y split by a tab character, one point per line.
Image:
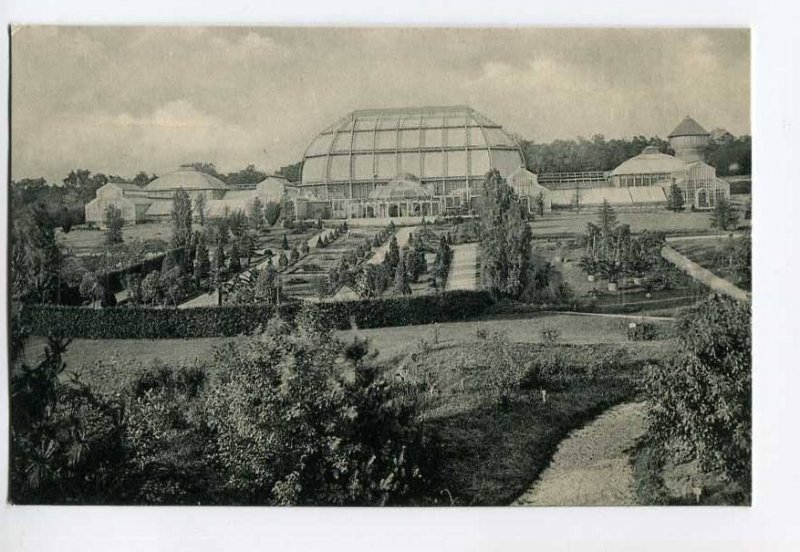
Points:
301	279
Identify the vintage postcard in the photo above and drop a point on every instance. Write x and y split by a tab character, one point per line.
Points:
379	266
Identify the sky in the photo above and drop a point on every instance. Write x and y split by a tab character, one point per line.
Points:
119	100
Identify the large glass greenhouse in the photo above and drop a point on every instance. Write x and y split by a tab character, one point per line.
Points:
448	150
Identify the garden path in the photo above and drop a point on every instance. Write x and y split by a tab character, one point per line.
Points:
592	465
463	268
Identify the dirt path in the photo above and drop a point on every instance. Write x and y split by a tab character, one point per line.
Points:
592	466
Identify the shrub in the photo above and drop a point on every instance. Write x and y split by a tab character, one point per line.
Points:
550	335
642	331
702	397
506	367
292	429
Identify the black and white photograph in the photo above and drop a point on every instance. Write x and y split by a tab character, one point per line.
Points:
332	266
462	279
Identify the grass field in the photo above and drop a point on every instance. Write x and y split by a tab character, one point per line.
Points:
82	240
664	221
527	328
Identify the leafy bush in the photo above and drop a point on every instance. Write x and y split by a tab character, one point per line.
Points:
506	367
293	429
702	397
642	331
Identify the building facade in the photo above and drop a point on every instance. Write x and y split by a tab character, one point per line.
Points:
154	202
646	180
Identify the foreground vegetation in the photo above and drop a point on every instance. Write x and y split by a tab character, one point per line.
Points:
699	444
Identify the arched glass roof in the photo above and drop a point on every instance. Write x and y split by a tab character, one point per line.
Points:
432	143
403	187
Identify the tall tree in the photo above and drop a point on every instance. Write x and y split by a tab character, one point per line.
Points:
675	200
392	257
200	208
272	212
35	256
202	263
401	285
112	218
724	215
182	226
256	214
505	239
236	262
142	180
607	220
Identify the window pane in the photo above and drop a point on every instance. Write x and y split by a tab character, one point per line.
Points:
456	138
478	162
476	137
409	139
342	142
409	162
433	138
362	167
454	186
387	166
340	167
361	190
432	122
363	141
457	121
410	122
337	190
314	169
506	162
434	164
456	163
387	122
321	145
386	139
497	137
365	124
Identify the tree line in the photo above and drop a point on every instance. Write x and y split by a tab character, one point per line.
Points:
729	155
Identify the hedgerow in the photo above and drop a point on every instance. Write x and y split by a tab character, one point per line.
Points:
232	320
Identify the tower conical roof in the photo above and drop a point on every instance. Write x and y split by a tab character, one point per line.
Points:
688	127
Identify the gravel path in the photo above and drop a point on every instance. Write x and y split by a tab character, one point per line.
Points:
463	268
592	465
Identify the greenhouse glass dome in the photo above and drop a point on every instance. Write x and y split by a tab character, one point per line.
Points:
448	149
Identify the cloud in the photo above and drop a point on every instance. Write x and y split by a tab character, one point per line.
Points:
126	99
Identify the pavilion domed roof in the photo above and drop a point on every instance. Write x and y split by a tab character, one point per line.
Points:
405	186
186	178
650	161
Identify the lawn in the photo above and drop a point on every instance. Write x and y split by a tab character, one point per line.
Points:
82	240
110	364
492	454
664	221
523	328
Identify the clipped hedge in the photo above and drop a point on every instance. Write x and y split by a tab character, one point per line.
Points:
232	320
